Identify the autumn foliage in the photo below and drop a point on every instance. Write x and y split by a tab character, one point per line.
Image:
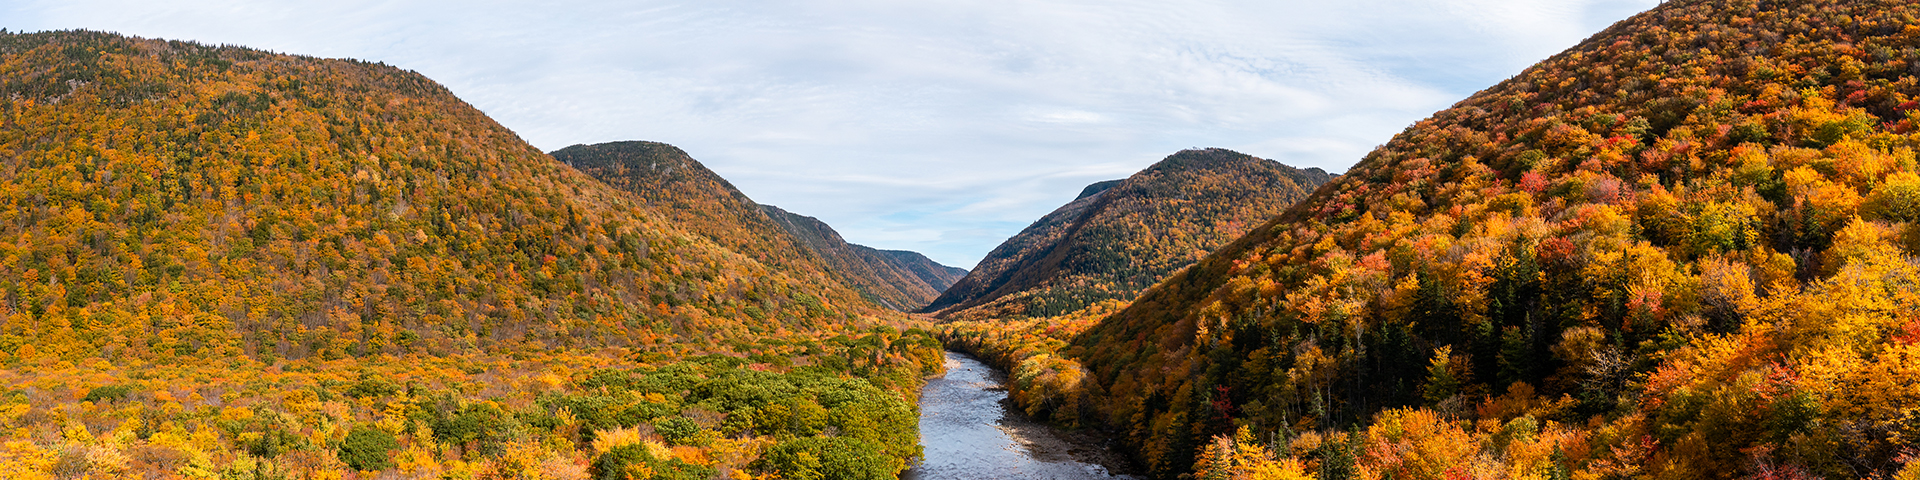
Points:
218	262
1685	248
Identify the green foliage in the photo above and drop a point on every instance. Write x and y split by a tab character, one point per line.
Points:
273	442
368	448
676	429
1336	460
817	458
629	461
474	426
371	386
106	393
619	463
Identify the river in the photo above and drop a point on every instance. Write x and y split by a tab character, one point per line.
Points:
970	432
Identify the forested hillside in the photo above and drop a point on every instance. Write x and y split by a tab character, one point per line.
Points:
1120	237
680	188
219	262
936	275
173	199
896	279
1684	248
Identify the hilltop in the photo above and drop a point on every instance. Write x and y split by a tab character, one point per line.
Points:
1121	236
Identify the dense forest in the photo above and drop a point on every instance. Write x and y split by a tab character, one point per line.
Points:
1685	248
225	262
169	199
936	276
897	279
682	189
831	407
1120	237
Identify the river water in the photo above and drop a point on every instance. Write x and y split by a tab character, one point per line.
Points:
970	432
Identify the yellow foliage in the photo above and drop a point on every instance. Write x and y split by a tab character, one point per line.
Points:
1241	458
1416	444
607	440
1910	471
532	461
689	454
23	460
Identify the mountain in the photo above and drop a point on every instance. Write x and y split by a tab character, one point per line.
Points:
169	199
896	279
682	189
274	266
936	276
1122	236
1684	248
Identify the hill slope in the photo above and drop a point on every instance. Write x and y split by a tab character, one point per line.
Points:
1120	237
896	279
680	188
173	199
1698	226
934	274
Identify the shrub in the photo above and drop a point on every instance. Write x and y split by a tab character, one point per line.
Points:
368	449
108	392
844	458
676	429
635	462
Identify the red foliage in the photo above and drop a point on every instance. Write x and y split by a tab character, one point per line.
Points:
1557	249
1909	333
1223	402
1533	182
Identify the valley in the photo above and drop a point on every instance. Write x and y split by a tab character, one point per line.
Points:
1687	247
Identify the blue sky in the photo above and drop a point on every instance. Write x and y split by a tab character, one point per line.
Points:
929	125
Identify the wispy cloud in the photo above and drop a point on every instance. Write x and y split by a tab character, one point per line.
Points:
937	126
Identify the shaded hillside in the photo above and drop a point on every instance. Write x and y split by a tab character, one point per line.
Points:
679	188
1122	236
937	276
169	199
1684	248
896	279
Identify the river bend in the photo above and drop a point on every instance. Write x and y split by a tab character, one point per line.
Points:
970	432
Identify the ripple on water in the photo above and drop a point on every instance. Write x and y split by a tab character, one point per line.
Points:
969	433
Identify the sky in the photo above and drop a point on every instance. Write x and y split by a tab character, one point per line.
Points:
937	126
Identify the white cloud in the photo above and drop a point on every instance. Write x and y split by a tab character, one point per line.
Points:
939	126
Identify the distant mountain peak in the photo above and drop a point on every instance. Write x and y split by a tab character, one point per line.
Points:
682	188
1097	187
1120	236
900	280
